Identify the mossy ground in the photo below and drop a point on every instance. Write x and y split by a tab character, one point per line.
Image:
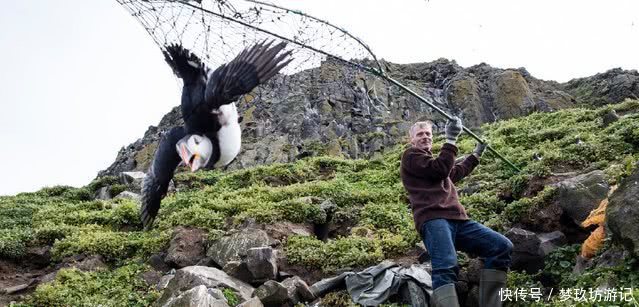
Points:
368	194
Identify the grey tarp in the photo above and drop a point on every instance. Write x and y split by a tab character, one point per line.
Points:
374	285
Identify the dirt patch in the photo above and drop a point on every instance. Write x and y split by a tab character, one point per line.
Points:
19	279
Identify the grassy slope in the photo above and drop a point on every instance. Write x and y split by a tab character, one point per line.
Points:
367	193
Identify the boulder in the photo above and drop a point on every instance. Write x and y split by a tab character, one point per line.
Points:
546	219
230	247
551	241
281	230
39	256
622	213
272	294
253	302
156	261
463	94
513	97
581	194
164	282
526	254
187	247
211	278
199	296
133	180
104	193
298	290
239	270
261	262
612	86
609	118
152	278
413	294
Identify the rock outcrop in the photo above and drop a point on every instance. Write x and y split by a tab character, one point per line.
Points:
342	112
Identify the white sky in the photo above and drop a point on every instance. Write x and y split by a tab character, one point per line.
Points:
80	79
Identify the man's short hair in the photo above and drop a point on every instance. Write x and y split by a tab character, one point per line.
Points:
420	124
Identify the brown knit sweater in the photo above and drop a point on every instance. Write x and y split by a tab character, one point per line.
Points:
429	183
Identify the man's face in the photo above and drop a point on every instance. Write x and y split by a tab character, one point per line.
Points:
422	138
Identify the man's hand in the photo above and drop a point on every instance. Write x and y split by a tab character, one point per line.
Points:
479	149
453	129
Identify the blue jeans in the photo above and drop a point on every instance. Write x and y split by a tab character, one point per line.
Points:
442	237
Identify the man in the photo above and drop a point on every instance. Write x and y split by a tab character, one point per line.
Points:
442	221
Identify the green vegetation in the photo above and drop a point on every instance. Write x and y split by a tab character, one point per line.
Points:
231	296
367	194
120	287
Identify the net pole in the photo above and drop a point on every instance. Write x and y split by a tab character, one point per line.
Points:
443	113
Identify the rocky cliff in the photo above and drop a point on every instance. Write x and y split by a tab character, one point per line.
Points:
342	112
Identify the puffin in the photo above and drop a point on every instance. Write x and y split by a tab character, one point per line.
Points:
211	135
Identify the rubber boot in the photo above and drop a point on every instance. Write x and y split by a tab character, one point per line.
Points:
444	296
490	283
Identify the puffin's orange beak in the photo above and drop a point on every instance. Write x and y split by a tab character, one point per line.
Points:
195	163
184	154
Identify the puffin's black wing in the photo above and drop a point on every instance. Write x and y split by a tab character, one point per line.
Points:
185	64
156	182
253	66
193	72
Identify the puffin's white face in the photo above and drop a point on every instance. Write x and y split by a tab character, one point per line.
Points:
195	150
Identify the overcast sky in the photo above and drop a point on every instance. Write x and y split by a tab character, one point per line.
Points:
80	79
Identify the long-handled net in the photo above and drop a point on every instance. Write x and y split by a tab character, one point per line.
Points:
217	30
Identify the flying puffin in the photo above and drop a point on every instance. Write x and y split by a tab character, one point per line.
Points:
211	135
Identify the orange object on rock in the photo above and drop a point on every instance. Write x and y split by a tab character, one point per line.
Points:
594	242
597	217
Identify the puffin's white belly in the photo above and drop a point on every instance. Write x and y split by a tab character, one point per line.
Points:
230	140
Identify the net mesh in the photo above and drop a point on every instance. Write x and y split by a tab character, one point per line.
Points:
217	30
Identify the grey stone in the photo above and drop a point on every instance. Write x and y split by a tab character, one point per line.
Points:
609	118
272	294
413	294
198	296
261	262
156	261
526	250
612	86
581	194
39	255
133	180
298	290
187	247
253	302
15	289
164	282
152	277
104	193
239	270
551	241
281	230
206	261
622	213
230	247
193	276
328	102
